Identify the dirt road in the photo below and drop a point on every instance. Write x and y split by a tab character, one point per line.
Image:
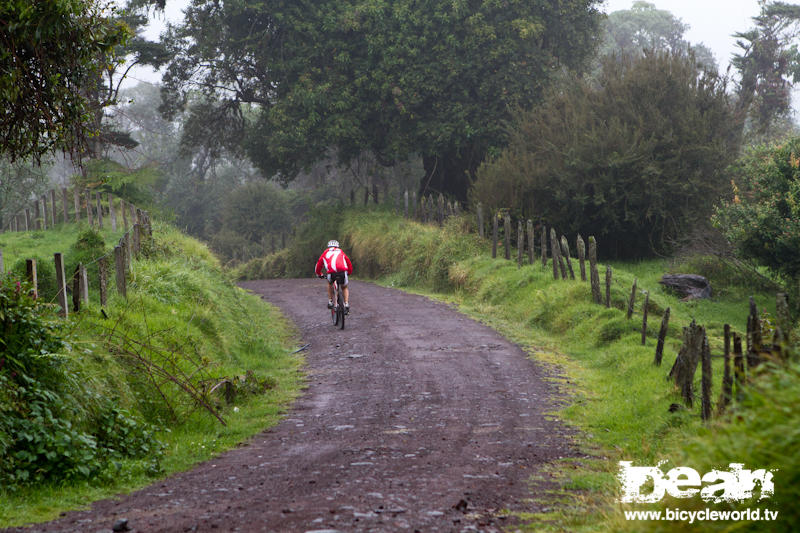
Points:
415	418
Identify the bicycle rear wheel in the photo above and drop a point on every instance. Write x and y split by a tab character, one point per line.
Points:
334	313
340	309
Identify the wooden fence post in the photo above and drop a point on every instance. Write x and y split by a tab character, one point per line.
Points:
554	252
507	235
529	232
32	277
632	300
662	335
414	203
565	251
644	317
99	196
686	363
43	201
706	380
89	216
119	266
124	208
593	274
102	265
112	213
84	283
727	378
137	239
739	376
65	204
520	243
494	235
543	246
61	284
53	205
480	220
28	222
440	212
48	210
76	289
76	198
127	248
608	286
754	341
37	224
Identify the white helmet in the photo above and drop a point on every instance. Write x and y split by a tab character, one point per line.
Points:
333	243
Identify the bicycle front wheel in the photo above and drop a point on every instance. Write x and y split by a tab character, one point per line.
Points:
340	310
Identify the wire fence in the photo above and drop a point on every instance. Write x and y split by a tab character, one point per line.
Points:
97	207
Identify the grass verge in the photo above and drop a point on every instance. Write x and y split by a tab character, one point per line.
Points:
185	316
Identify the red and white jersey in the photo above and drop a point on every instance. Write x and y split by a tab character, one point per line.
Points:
334	260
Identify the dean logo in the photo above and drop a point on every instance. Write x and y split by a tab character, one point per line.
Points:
735	485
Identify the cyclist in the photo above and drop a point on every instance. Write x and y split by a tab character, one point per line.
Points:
337	266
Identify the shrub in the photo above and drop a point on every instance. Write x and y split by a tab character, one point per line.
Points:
634	157
87	248
46	432
45	274
762	215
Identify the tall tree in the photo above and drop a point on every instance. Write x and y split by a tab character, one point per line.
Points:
50	53
769	66
643	27
393	78
635	157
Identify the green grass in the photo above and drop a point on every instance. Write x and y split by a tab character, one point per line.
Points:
619	398
23	245
183	305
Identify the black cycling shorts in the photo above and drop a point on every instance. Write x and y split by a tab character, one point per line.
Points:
340	277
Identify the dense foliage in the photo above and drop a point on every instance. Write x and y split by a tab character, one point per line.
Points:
255	219
762	219
52	428
392	78
50	54
634	158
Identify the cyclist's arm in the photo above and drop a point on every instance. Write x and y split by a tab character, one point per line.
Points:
318	268
349	265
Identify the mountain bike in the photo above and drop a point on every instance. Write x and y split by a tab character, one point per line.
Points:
337	312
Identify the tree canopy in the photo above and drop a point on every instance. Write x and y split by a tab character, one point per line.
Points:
769	65
634	157
400	77
643	27
50	51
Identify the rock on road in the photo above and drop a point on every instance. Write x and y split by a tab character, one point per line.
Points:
415	418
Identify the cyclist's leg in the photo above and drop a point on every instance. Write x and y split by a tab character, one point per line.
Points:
346	292
330	289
